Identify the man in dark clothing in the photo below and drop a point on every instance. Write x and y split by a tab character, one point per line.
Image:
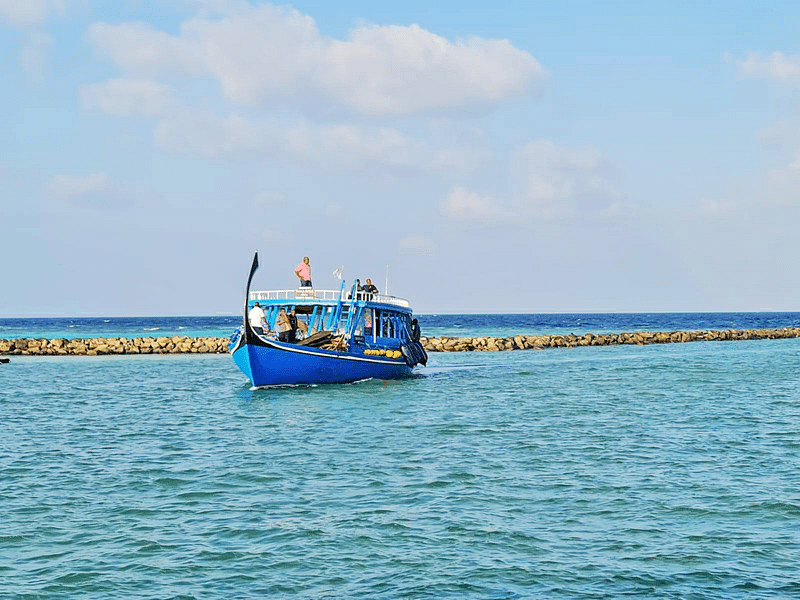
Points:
415	332
293	330
369	288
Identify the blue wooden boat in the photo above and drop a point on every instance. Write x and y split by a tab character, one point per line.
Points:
349	336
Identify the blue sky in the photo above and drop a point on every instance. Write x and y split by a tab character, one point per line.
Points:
497	157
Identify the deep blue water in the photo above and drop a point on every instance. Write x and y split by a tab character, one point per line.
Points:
127	327
432	325
666	471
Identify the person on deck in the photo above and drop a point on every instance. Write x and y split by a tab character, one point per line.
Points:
283	326
303	272
256	318
369	288
415	332
293	325
368	322
302	327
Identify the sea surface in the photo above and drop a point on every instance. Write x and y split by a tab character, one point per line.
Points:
664	471
472	325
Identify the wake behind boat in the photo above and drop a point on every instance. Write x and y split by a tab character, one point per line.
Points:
350	335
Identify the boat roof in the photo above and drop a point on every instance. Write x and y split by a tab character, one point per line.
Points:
315	297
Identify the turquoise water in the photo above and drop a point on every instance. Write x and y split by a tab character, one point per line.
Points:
601	472
473	325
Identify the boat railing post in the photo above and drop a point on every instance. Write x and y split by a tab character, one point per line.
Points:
350	312
358	312
337	311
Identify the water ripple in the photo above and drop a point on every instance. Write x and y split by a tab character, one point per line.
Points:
663	472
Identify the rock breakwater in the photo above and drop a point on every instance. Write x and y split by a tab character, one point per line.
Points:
101	346
641	338
217	345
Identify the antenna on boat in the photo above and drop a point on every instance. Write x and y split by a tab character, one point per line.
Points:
386	287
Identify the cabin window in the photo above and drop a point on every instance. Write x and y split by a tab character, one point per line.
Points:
343	318
390	325
359	324
368	320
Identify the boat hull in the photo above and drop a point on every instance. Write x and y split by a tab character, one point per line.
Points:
275	363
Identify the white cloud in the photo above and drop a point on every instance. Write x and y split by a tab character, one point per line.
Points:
780	134
71	186
774	66
344	145
556	180
416	245
384	147
209	135
128	97
462	204
549	181
260	53
94	191
29	12
268	53
397	70
354	145
141	49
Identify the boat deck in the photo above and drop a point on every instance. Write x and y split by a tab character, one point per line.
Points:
311	296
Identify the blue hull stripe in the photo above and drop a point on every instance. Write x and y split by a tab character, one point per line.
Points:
273	364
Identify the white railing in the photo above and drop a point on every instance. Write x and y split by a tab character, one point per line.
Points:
330	295
393	300
300	294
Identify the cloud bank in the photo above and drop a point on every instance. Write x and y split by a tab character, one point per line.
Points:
23	13
269	54
776	66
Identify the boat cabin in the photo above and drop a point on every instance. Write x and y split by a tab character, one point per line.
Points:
363	320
